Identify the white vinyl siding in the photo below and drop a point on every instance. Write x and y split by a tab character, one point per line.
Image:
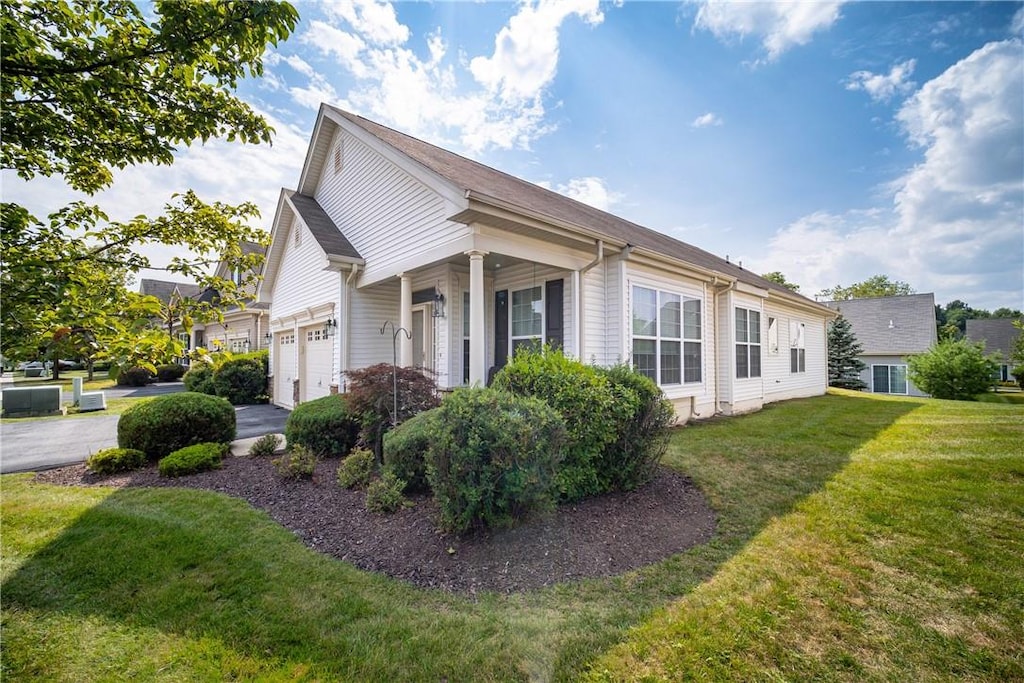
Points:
371	308
302	281
779	382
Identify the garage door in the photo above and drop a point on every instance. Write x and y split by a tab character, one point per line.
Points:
319	368
284	374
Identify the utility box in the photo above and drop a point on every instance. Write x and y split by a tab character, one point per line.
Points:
76	388
92	400
31	401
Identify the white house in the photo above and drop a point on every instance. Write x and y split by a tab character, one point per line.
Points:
473	263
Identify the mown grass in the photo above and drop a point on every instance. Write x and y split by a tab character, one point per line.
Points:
858	537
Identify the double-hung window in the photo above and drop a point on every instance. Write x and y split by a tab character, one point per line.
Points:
748	343
797	348
666	336
527	317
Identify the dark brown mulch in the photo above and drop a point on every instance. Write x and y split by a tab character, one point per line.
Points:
602	536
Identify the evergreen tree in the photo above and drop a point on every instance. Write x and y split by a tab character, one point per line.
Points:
843	365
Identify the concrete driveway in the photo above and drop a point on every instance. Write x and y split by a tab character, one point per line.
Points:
53	442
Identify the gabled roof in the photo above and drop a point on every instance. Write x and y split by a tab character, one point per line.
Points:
998	334
891	325
477	181
324	230
164	289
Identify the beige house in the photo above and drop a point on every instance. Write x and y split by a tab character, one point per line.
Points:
473	263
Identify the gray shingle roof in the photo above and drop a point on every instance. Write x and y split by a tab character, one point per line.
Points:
998	334
891	325
163	289
324	230
470	175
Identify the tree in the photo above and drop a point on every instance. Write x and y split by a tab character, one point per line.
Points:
844	367
86	87
778	278
875	286
1017	354
954	369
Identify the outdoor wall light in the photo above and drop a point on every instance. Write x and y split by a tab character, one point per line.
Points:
438	304
267	338
330	327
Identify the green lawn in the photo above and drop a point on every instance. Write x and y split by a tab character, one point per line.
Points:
859	537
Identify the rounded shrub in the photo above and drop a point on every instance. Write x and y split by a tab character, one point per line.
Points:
384	495
642	420
405	449
113	460
134	377
171	372
199	378
265	446
298	463
166	423
242	379
324	425
582	396
493	459
199	457
357	469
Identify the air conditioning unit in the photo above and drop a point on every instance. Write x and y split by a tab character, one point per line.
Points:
92	400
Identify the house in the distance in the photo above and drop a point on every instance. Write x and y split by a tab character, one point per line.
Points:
889	329
469	264
998	335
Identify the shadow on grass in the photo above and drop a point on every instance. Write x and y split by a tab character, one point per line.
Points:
210	569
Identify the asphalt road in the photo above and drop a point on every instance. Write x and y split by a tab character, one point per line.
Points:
53	442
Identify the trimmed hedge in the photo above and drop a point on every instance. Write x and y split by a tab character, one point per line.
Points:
242	379
134	377
199	378
405	449
113	460
171	372
166	423
583	397
494	458
324	425
198	457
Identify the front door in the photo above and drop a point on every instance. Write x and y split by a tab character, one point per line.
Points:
423	336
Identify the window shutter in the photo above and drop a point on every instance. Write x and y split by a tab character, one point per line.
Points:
553	317
500	328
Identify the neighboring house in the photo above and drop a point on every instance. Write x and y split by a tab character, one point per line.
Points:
242	329
998	335
889	329
475	263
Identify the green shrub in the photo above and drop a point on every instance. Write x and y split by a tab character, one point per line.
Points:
265	446
298	463
371	396
198	457
582	396
113	460
405	449
642	420
384	495
134	377
324	425
199	378
242	379
171	372
357	469
493	459
954	368
166	423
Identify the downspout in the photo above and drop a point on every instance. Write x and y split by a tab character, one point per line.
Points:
578	288
715	287
344	322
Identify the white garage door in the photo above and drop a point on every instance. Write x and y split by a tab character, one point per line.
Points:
319	368
284	374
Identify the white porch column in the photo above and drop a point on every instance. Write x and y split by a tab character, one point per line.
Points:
405	320
477	328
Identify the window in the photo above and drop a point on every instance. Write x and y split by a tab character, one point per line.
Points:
889	379
527	317
773	335
748	343
465	337
666	336
797	350
239	345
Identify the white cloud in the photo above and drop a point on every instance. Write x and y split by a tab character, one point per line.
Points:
883	87
590	190
779	25
376	21
705	120
956	225
1017	25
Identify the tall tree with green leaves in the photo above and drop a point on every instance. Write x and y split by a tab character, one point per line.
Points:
875	286
87	86
844	366
778	278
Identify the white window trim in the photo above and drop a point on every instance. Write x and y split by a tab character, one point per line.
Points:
748	344
798	340
906	379
512	339
664	287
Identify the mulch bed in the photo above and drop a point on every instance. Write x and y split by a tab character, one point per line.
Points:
602	536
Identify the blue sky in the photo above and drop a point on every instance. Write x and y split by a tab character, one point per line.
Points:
831	141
